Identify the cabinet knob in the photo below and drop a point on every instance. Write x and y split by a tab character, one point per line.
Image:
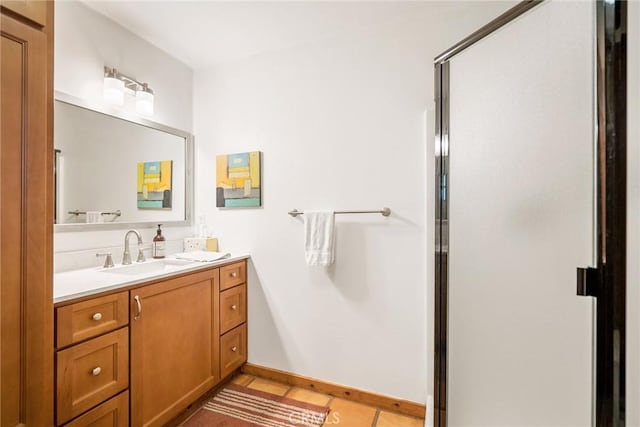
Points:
97	316
234	348
234	274
96	371
234	307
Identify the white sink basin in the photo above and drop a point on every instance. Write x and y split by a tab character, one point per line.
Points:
165	265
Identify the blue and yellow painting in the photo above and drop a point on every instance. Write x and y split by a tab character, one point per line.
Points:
238	180
154	184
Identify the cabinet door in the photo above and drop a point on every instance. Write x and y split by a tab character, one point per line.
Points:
26	304
174	350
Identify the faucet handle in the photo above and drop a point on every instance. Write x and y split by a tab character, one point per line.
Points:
141	257
108	261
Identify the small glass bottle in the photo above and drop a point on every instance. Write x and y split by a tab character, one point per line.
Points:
159	244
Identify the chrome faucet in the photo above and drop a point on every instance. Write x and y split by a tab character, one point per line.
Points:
126	256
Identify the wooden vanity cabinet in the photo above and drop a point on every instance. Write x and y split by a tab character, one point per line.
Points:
159	346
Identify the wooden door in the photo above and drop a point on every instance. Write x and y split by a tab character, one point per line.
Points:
26	223
33	10
174	348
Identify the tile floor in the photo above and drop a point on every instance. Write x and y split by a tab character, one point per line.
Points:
343	413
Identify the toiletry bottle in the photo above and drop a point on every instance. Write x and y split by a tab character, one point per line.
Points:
159	244
202	227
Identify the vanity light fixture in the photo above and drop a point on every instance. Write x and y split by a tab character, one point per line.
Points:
113	88
144	100
117	84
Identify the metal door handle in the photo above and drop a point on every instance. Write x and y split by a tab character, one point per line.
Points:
138	312
588	279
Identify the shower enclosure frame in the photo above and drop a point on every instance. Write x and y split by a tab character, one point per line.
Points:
607	282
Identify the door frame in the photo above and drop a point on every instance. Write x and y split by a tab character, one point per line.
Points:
609	281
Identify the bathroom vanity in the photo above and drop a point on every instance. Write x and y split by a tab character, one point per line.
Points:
143	349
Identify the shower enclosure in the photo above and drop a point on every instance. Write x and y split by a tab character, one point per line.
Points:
530	214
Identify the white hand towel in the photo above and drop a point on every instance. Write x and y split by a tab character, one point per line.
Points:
318	237
202	256
94	217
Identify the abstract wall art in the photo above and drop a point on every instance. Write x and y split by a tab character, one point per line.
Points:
238	180
154	184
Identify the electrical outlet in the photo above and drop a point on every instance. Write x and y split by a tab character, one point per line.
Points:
195	244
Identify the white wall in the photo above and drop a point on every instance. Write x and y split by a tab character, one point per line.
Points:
343	124
85	41
633	220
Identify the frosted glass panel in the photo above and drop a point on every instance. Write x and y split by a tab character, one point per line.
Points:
521	221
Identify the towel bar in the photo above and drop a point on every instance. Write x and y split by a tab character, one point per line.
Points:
384	212
77	212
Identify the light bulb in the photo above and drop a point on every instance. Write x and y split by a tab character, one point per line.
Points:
113	88
144	100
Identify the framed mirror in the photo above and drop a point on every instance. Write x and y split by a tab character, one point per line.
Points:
114	170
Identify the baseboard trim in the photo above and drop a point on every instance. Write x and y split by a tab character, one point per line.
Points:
401	406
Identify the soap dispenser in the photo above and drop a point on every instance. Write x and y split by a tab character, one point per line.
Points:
159	244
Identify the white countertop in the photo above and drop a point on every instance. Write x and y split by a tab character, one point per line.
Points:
79	283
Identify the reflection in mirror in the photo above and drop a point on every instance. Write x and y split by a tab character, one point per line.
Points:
112	171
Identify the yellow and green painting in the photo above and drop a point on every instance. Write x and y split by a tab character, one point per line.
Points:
238	180
154	184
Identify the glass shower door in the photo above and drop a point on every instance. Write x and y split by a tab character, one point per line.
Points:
521	219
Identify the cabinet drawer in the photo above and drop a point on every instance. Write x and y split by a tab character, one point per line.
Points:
233	308
233	350
87	319
91	372
232	275
112	413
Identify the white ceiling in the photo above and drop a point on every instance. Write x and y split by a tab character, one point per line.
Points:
204	33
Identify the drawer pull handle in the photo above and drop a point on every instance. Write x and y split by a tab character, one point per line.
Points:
96	371
234	348
234	274
97	316
138	312
234	307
